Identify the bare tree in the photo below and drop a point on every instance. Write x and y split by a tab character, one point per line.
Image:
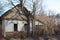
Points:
27	14
49	22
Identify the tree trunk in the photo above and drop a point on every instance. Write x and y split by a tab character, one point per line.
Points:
28	26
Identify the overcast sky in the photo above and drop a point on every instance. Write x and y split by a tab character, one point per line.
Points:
53	5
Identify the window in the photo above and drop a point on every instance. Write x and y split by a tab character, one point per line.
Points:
25	26
15	27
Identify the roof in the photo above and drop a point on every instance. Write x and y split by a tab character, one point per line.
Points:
14	10
6	5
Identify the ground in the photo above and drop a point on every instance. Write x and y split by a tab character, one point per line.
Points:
57	37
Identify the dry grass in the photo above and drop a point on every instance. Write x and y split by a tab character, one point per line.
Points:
40	38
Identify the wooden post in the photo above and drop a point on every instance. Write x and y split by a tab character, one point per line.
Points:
3	28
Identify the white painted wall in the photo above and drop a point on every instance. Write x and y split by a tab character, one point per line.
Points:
9	25
36	23
21	25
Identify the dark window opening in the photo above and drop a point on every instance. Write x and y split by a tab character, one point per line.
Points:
15	27
25	26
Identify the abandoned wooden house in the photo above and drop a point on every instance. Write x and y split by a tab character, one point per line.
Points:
13	23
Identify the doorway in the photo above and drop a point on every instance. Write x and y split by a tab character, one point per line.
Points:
15	27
